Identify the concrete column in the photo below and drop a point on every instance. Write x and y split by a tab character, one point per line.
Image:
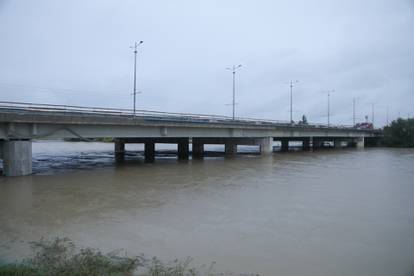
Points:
17	157
197	148
317	143
266	145
230	148
119	150
285	145
306	144
337	143
149	151
360	142
183	150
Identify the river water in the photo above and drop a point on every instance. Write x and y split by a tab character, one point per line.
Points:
331	212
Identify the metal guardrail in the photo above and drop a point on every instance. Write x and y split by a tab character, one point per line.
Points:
155	115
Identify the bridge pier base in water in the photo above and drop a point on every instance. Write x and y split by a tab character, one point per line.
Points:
197	148
337	143
119	150
266	145
360	142
183	150
306	144
284	145
230	148
17	157
149	151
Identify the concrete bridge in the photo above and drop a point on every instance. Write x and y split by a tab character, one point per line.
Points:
20	123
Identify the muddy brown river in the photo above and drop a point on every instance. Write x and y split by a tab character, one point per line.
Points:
330	212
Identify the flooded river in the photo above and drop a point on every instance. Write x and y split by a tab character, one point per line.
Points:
331	212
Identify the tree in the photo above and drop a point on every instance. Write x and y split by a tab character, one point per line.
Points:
304	120
400	133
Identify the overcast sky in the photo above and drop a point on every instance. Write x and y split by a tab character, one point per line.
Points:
77	52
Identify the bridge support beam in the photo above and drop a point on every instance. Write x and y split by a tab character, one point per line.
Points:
149	151
284	145
183	150
119	150
17	157
266	145
197	148
230	148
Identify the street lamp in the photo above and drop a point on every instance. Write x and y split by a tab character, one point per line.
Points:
135	47
291	100
329	105
233	69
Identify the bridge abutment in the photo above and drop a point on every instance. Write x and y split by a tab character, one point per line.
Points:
17	157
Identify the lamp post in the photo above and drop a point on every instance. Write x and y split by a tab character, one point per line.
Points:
233	70
135	47
329	105
291	100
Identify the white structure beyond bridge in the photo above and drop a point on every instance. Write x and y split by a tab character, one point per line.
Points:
20	123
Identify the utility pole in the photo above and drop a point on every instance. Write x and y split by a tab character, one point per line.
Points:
291	100
353	111
135	47
372	114
233	70
329	105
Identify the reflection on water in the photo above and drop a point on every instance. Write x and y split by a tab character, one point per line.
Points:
335	212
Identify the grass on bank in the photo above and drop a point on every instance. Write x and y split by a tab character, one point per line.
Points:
60	257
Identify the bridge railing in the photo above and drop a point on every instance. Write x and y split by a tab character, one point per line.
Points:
151	115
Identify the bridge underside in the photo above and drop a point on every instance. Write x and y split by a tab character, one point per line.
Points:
17	153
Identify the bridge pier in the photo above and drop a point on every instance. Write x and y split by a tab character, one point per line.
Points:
119	150
317	143
266	145
284	145
360	142
149	151
306	144
17	157
197	148
183	150
230	148
337	143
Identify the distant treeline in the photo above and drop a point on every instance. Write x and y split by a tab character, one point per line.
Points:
400	133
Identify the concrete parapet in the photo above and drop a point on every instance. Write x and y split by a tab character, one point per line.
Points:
17	157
